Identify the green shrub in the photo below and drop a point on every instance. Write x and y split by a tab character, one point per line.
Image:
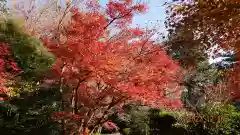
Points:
215	119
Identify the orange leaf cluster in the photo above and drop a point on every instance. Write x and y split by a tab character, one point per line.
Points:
136	70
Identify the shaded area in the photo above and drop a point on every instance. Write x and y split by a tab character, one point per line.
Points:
30	114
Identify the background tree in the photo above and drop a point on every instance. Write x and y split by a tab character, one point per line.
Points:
3	7
195	27
199	84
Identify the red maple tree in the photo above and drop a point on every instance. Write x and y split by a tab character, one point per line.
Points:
104	70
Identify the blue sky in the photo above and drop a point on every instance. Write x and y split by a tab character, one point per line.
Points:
155	12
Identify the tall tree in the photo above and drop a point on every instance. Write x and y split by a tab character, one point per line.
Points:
103	63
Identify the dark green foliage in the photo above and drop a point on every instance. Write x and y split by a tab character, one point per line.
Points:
136	119
30	114
32	57
142	120
164	124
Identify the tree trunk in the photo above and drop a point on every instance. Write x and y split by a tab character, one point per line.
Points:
62	101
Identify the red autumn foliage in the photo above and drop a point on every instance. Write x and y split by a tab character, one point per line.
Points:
141	75
102	74
123	11
7	67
